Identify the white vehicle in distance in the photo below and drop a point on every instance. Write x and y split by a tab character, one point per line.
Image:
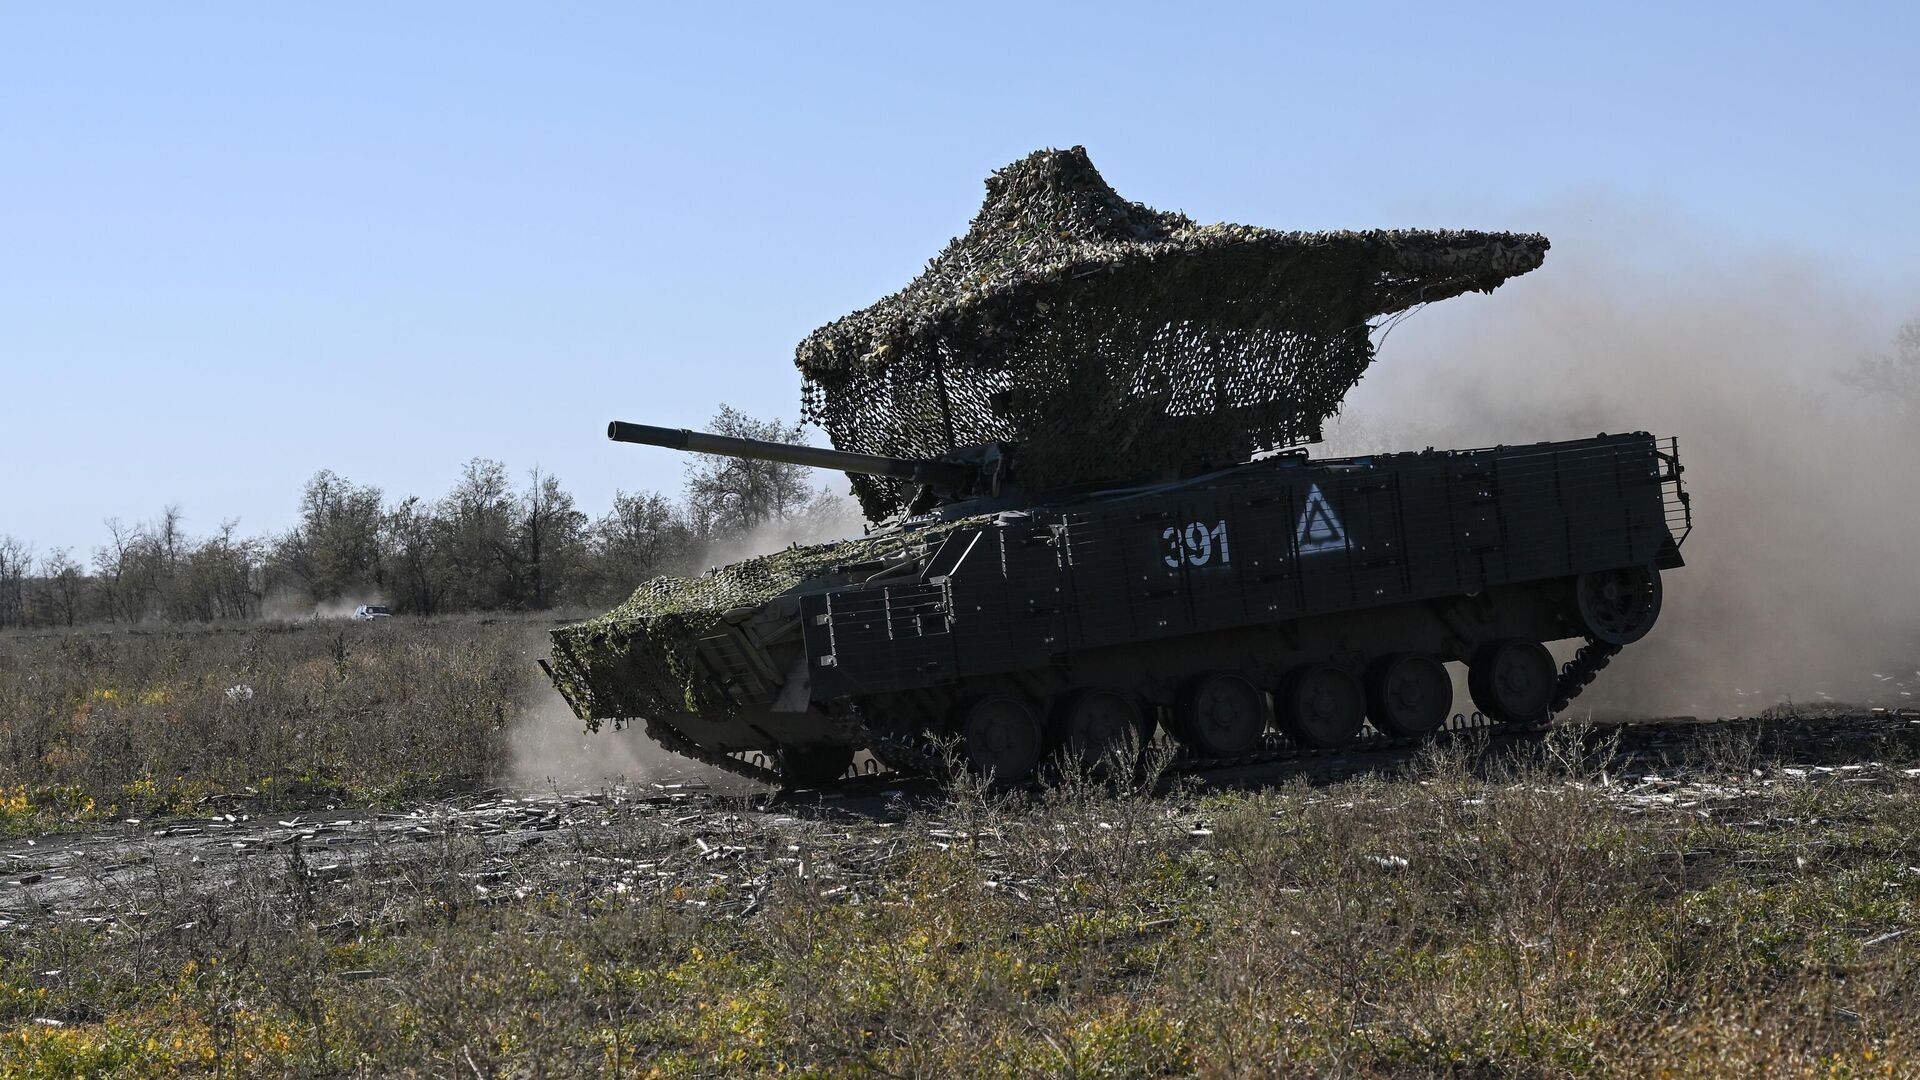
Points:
371	611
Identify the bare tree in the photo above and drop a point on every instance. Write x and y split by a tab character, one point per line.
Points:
219	579
410	553
113	563
643	536
476	558
64	584
549	536
1893	378
16	558
728	495
169	537
335	547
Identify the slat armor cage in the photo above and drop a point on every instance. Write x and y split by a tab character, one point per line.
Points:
1113	342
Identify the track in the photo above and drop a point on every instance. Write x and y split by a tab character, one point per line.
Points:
915	757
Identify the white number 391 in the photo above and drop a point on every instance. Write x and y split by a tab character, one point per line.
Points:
1196	543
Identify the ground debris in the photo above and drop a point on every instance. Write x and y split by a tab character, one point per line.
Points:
726	855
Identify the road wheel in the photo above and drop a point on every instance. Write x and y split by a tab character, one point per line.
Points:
1409	696
1323	706
1096	722
1512	681
1002	738
1220	715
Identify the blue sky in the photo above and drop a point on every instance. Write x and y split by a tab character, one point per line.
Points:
239	243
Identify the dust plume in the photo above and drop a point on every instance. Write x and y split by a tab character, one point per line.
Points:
1802	582
291	606
549	750
825	518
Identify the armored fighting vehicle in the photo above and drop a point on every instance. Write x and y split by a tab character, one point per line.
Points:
1078	435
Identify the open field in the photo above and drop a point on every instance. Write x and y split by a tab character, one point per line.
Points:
1699	899
145	721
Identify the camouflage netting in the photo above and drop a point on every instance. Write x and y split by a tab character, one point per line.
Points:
1115	341
641	658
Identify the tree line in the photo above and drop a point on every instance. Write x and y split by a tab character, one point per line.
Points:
488	544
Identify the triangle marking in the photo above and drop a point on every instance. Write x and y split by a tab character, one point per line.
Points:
1320	529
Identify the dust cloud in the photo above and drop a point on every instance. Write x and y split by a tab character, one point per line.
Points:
1802	581
292	607
828	517
549	748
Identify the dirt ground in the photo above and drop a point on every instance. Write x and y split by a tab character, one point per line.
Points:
706	829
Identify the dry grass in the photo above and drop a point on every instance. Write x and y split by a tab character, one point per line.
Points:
108	722
1528	914
1519	922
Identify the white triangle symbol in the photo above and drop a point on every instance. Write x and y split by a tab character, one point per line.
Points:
1320	529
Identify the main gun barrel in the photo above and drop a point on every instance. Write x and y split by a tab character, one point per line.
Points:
919	470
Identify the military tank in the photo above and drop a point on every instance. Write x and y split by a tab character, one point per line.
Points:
1080	437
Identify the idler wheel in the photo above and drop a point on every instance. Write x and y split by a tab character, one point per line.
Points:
813	766
1220	716
1409	696
1618	607
1512	682
1324	706
1002	738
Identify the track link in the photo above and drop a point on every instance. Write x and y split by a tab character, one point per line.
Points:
1578	673
673	739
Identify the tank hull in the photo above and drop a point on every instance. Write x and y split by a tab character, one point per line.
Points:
1262	571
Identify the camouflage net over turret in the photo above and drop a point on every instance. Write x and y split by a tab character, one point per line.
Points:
1114	341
